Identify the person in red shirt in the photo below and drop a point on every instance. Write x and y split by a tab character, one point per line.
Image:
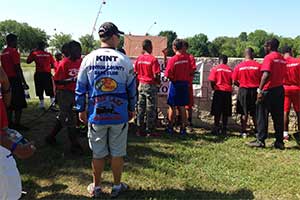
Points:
189	108
270	97
5	98
58	57
10	61
65	81
44	61
178	71
220	78
246	76
291	89
147	69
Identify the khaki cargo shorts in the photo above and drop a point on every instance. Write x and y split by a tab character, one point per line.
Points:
108	140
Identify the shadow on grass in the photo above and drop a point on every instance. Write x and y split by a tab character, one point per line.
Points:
29	185
166	194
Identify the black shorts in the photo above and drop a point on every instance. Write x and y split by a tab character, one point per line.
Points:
222	103
18	101
246	101
43	82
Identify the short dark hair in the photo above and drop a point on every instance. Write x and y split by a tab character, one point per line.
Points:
185	44
41	45
223	58
11	38
286	49
249	51
178	44
75	50
147	45
274	43
65	49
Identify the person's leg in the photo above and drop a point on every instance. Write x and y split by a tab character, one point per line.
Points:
141	110
254	120
277	112
171	115
287	108
226	110
39	88
50	139
262	114
217	118
151	109
117	145
117	165
189	115
244	120
183	125
286	124
98	168
97	138
224	123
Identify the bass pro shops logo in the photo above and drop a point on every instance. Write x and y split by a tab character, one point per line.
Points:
106	84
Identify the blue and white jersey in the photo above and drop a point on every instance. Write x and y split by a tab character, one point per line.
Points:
107	76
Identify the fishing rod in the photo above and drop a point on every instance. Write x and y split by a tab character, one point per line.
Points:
97	17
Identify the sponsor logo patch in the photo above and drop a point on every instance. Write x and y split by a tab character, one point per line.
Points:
106	84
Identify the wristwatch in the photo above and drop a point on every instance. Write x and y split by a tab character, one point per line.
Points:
259	91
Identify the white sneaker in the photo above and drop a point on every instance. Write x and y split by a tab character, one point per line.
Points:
42	105
94	192
244	135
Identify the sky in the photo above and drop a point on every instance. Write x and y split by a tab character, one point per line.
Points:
186	17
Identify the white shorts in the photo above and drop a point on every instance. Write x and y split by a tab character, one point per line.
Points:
10	180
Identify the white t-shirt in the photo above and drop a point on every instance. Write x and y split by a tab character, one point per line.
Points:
10	180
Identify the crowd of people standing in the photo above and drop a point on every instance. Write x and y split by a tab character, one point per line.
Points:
106	89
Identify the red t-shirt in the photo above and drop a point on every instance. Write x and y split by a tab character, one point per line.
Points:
67	69
179	68
276	65
3	116
56	64
222	76
10	57
248	74
146	66
43	60
292	71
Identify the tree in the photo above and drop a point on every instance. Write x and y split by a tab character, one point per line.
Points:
198	45
284	41
88	43
28	37
213	50
59	40
258	39
171	35
243	37
296	46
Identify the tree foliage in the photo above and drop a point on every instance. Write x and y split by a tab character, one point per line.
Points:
171	35
88	43
59	39
198	45
28	36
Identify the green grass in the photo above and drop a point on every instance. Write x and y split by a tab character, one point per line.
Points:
24	64
200	166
